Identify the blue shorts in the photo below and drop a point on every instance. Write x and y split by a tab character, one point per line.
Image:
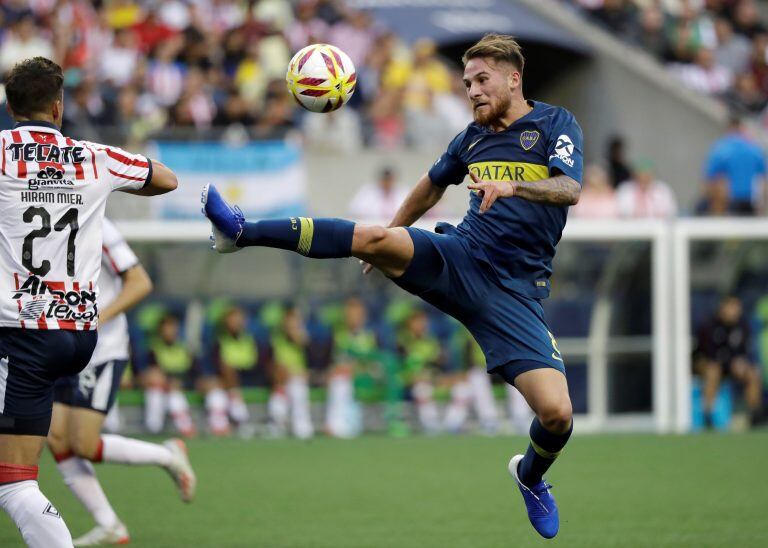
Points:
31	361
508	326
93	388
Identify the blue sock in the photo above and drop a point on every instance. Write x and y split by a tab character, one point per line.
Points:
316	238
544	448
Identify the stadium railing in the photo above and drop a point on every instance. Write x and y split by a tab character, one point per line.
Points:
671	328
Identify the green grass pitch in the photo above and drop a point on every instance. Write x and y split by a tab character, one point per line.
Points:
613	490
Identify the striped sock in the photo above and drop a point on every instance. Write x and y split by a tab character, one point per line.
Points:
316	238
544	448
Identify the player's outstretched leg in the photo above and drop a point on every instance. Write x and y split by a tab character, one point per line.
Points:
546	391
316	238
388	249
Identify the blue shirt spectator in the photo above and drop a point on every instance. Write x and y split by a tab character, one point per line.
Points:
738	162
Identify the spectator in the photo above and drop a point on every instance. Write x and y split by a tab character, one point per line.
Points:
120	60
733	50
421	359
354	348
354	35
723	351
235	354
738	163
746	19
618	167
598	198
170	368
644	196
745	98
704	75
453	107
471	387
23	40
165	75
616	15
290	393
759	62
650	34
379	200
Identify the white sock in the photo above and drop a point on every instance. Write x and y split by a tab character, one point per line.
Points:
482	397
426	408
154	409
277	407
519	411
298	396
237	409
340	406
81	479
122	450
216	405
38	520
458	409
179	409
112	420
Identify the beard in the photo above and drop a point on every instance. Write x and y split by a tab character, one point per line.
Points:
492	111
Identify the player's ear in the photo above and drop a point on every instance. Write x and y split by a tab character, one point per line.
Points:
57	110
513	78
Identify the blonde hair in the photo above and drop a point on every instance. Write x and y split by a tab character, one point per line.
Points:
501	47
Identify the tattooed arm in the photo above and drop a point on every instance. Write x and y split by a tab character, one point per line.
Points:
560	190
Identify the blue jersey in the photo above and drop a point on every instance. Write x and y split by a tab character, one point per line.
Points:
741	161
516	237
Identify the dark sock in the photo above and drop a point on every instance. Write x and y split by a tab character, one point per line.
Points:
544	448
709	422
316	238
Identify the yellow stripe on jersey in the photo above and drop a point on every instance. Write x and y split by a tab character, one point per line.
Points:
305	238
509	171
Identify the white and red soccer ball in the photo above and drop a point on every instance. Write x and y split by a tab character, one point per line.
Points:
321	78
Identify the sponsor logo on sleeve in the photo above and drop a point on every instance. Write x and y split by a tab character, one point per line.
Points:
564	150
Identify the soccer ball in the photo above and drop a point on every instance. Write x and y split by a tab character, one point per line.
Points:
321	78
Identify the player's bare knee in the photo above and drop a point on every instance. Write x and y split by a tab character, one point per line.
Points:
557	417
84	446
58	443
369	238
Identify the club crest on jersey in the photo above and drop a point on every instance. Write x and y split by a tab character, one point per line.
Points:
49	177
528	139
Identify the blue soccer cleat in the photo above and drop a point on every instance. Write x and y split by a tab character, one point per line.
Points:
541	506
226	221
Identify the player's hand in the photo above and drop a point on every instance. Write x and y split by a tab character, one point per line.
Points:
366	267
490	191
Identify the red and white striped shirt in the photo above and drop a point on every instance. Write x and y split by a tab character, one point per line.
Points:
53	191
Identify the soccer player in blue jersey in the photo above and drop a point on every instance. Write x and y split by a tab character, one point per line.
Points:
524	159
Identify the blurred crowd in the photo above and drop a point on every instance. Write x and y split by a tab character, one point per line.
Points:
141	68
354	352
734	182
716	47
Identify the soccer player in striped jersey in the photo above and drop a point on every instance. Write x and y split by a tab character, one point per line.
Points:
82	401
53	191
